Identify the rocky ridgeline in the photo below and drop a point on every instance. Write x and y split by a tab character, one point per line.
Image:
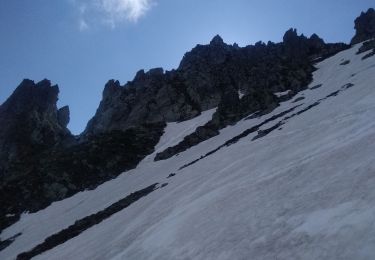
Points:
205	75
41	162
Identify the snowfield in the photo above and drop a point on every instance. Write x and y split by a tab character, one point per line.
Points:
304	191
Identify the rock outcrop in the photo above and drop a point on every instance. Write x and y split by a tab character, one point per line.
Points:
151	97
364	26
30	122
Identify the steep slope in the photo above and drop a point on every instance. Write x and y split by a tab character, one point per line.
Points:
238	103
294	183
131	118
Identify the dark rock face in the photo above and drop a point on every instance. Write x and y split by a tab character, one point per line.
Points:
56	173
364	26
29	122
366	46
151	97
63	116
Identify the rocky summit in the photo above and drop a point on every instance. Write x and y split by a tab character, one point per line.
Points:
364	26
42	162
31	122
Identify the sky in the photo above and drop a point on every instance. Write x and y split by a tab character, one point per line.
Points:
81	44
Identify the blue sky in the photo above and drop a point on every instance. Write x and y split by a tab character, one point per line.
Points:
81	44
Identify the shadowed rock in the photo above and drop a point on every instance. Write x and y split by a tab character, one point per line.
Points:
63	116
364	26
30	122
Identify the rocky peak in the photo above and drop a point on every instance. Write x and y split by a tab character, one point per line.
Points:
110	88
316	45
139	75
30	121
217	40
295	45
290	35
316	40
300	47
364	26
213	53
155	72
29	96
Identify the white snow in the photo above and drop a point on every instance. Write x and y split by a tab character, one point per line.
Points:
281	94
177	131
305	191
318	58
240	94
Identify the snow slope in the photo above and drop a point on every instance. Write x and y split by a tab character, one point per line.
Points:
177	131
304	191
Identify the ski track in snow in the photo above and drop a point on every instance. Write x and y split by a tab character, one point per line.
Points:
303	192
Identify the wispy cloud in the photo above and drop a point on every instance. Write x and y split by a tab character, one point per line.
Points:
110	12
120	10
82	25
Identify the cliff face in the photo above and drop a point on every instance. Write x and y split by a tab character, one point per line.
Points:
364	26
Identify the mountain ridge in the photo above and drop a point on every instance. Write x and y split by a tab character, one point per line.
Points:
295	182
208	76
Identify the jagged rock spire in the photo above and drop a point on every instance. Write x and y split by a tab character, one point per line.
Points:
364	26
